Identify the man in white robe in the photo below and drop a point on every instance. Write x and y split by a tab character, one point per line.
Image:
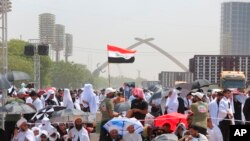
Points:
37	103
132	136
214	133
24	134
213	108
225	114
78	133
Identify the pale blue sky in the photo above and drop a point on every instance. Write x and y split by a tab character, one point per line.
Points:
181	27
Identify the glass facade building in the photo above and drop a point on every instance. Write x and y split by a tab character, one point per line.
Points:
235	28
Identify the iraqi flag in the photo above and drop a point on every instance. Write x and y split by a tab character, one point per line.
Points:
120	55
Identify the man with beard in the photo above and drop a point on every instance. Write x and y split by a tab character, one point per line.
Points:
24	133
139	107
131	136
50	98
107	110
78	133
75	100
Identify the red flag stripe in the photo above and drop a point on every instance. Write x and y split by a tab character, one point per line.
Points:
118	49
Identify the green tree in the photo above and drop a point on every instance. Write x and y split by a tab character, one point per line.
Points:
16	58
18	61
70	75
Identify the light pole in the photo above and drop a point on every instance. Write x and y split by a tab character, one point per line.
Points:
36	42
5	7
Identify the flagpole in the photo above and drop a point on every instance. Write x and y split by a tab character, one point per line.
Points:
108	67
109	74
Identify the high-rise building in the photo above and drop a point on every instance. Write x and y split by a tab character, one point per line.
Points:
68	45
47	30
59	40
169	79
235	28
210	66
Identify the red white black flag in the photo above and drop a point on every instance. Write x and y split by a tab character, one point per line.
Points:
120	55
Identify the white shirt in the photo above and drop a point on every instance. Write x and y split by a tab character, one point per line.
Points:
215	133
224	108
213	111
187	102
26	136
82	134
38	104
132	137
28	100
77	104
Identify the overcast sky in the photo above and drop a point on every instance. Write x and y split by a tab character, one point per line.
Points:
183	28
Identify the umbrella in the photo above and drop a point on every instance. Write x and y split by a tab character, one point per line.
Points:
17	108
17	75
199	83
69	115
173	119
166	137
186	86
155	96
155	88
184	92
120	107
121	124
4	83
47	111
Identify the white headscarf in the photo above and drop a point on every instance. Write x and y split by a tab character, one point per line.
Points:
180	125
21	121
172	102
46	125
67	99
89	96
52	131
37	136
50	92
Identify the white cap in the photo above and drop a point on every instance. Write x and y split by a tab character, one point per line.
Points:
109	90
21	121
198	94
51	92
112	128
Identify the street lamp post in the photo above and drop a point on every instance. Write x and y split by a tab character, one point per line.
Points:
37	80
5	7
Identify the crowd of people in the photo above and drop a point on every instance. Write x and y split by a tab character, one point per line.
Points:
209	113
